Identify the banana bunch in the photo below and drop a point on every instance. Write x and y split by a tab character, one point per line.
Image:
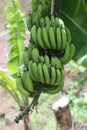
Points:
50	48
52	35
46	71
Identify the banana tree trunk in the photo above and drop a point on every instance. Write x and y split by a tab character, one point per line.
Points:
62	114
26	121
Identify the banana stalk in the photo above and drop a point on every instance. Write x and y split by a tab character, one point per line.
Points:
30	107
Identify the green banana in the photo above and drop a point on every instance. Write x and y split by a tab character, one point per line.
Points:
42	22
58	39
35	55
53	61
29	22
39	8
47	60
37	18
26	57
57	22
41	58
53	75
34	18
54	90
27	82
62	74
68	34
40	73
34	34
58	63
34	71
63	38
66	54
47	22
45	38
39	38
46	73
52	38
30	71
20	87
58	77
30	48
72	51
52	19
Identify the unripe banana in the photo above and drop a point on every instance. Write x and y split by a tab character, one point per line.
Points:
72	51
58	37
39	39
58	63
63	38
53	61
34	72
54	90
26	57
68	34
62	74
52	21
42	22
29	22
66	54
20	87
35	55
58	77
52	38
47	22
34	34
34	17
45	38
40	73
57	22
27	82
41	58
47	60
37	17
30	48
53	75
46	73
39	8
30	71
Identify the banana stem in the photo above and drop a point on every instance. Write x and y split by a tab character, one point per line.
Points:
56	7
29	107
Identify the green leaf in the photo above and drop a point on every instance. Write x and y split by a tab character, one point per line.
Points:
83	60
12	65
74	15
9	84
17	32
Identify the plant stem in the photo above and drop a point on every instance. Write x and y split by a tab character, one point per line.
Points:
29	107
26	122
55	8
26	119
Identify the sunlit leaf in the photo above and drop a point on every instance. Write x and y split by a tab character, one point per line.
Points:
17	31
12	65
